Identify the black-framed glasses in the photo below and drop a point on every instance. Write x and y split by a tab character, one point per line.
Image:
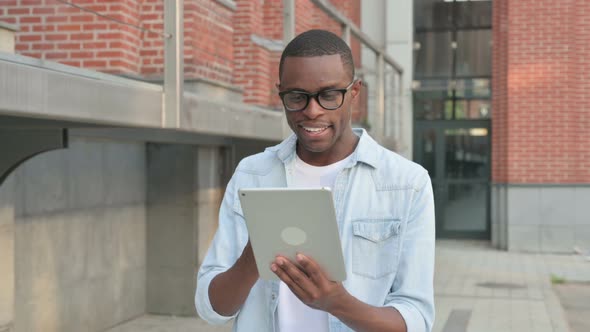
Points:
329	99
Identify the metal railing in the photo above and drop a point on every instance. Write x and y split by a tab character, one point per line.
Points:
383	119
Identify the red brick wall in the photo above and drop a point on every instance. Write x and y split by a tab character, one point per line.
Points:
500	91
218	41
56	32
352	10
580	95
252	70
541	95
152	45
208	40
256	68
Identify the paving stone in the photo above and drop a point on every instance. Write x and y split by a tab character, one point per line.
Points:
461	268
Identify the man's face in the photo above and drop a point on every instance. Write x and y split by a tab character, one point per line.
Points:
321	133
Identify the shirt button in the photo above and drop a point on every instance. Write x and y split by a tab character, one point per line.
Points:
274	296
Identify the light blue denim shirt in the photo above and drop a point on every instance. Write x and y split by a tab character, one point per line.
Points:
385	213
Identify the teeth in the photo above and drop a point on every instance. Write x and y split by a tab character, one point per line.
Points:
315	130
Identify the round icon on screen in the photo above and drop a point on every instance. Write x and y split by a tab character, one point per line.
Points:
293	236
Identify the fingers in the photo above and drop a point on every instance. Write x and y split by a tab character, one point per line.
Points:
312	269
293	277
295	288
308	281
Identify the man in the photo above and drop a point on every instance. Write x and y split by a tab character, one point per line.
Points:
384	206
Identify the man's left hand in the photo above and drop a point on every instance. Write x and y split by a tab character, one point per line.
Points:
309	283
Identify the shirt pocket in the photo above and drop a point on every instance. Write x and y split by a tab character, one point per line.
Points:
375	247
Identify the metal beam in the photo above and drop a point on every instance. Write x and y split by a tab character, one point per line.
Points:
288	21
346	34
173	63
18	145
288	35
380	123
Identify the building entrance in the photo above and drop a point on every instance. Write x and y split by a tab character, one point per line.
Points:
457	157
452	110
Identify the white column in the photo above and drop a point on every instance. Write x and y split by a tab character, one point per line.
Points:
173	63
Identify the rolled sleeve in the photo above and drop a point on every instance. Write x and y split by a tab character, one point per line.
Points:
203	303
412	292
227	245
414	320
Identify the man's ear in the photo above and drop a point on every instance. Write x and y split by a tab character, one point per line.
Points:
356	88
278	86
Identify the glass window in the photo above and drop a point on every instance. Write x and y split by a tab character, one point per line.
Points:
460	110
465	208
428	154
478	88
429	14
453	55
474	53
479	109
433	84
473	14
466	153
472	109
434	56
430	105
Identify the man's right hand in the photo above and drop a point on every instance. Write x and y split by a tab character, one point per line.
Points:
229	290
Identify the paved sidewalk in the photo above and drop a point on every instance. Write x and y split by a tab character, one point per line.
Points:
575	300
477	289
480	289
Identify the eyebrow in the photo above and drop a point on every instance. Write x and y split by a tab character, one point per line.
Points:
327	87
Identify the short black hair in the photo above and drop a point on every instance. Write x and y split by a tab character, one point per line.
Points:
317	43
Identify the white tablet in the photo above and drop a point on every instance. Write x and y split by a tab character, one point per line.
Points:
288	221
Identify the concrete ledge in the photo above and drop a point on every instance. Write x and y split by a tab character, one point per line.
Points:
231	4
268	44
36	89
549	218
31	91
8	26
230	119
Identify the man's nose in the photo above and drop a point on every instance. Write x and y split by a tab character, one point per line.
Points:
313	109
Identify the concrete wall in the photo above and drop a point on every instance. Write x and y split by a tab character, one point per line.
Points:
105	231
172	232
400	44
541	218
185	188
79	238
7	191
390	23
111	227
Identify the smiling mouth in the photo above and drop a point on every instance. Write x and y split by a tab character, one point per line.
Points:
314	130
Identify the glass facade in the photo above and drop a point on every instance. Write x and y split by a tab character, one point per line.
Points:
452	110
452	59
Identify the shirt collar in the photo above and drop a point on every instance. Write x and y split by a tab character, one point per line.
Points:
365	152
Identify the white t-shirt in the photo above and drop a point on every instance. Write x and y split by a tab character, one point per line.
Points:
293	315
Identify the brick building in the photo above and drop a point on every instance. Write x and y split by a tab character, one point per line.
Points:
233	43
502	117
114	223
541	124
496	99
